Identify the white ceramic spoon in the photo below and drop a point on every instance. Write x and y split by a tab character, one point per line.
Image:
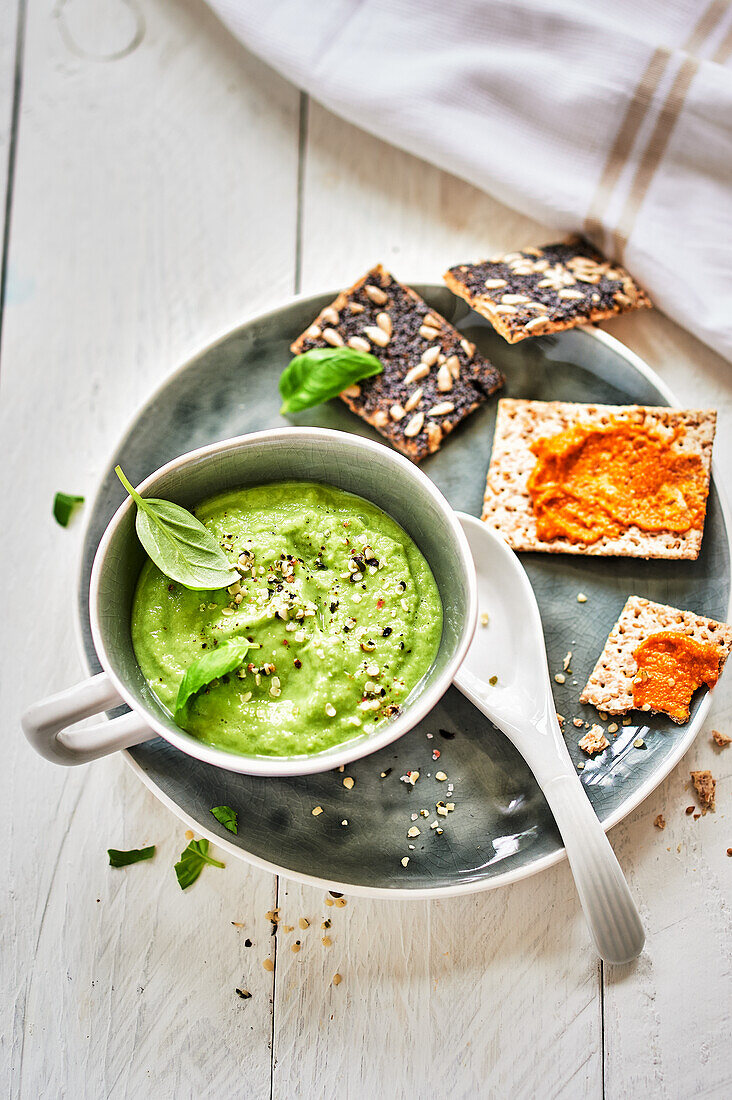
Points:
520	703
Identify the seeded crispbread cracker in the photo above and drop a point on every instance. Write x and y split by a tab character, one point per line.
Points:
507	505
610	686
432	378
541	290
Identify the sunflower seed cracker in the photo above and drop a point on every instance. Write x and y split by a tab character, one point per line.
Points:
541	290
413	343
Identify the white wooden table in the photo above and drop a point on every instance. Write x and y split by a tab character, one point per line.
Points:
161	185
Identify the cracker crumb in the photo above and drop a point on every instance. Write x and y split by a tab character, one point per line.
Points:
639	743
440	776
613	727
560	677
348	782
304	923
578	723
189	834
581	598
567	659
405	861
268	964
414	831
659	821
340	903
706	786
594	741
581	766
327	941
721	739
484	619
317	811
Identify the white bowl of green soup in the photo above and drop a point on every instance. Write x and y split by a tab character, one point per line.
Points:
346	604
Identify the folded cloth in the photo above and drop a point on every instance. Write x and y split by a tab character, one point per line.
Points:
614	120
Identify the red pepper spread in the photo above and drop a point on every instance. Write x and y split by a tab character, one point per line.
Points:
671	666
593	480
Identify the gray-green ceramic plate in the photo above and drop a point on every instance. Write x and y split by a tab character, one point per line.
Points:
501	829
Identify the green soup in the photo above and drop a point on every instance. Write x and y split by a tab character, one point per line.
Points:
342	603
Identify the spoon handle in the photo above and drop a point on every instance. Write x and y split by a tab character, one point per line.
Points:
603	892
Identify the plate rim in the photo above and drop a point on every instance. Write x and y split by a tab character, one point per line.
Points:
396	893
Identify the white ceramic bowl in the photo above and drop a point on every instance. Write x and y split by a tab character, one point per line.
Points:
348	462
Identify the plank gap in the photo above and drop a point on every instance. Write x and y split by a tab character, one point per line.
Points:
274	993
601	975
12	148
301	157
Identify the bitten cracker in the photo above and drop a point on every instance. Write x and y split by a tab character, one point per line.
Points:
610	686
432	377
507	504
541	290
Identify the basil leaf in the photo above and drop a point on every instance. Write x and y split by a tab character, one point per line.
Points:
64	505
322	373
123	859
181	547
192	861
227	817
209	666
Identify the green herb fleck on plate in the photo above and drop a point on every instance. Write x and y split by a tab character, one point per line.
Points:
227	817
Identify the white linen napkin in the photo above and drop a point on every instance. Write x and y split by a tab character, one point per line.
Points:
611	119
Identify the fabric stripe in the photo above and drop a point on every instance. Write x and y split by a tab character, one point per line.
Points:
625	137
723	51
653	155
706	25
634	116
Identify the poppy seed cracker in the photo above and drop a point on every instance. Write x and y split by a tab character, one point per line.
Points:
540	290
610	686
432	377
508	506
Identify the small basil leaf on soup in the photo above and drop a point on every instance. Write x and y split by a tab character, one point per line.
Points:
64	506
135	855
210	666
322	373
192	861
179	544
227	817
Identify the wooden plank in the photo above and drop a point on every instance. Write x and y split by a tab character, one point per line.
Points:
668	1015
155	204
495	994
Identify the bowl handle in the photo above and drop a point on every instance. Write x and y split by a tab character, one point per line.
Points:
45	724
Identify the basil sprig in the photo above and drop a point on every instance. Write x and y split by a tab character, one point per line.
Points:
192	861
64	506
227	817
124	859
209	666
181	547
322	373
